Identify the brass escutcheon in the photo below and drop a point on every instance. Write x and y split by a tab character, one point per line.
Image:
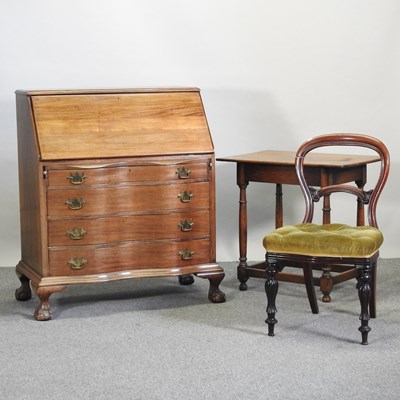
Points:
186	254
183	173
76	233
185	196
76	178
186	225
75	204
77	262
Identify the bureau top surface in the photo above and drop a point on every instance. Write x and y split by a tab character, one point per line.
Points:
79	124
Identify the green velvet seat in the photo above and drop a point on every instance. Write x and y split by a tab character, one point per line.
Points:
354	250
333	240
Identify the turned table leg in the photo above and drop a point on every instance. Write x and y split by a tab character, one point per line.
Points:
241	269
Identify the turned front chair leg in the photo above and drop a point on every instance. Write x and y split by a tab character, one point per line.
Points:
271	290
364	293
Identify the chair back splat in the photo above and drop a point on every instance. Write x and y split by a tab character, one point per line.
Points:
352	249
355	140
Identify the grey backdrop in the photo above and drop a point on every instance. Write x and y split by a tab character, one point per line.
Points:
272	75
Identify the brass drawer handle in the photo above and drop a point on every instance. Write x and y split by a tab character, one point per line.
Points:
77	263
183	173
75	204
185	196
186	225
76	233
186	254
76	178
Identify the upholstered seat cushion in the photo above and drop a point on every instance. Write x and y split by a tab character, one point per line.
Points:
324	240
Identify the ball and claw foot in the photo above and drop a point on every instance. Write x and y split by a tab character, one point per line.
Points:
216	296
243	286
23	293
185	279
42	312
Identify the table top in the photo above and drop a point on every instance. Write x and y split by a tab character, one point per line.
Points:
278	157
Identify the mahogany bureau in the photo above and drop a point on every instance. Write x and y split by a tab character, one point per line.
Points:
114	184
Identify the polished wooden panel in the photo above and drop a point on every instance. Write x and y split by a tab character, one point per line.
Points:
319	160
127	124
33	237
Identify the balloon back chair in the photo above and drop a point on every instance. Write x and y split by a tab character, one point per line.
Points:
307	245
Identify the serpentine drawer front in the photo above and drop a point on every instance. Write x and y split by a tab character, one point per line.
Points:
110	229
189	171
122	199
114	184
78	260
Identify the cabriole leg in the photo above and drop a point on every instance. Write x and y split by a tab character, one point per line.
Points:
215	295
43	312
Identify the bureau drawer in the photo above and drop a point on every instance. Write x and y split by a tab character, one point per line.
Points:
82	260
184	225
137	173
111	200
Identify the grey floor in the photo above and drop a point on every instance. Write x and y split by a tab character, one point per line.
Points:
154	339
